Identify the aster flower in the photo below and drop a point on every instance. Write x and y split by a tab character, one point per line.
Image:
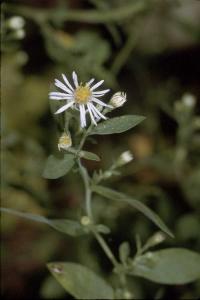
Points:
82	97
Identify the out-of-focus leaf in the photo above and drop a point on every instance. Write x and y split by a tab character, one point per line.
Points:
124	252
117	125
187	227
51	289
56	167
80	282
69	227
116	196
89	155
168	266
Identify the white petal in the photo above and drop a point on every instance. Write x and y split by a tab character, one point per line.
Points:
67	82
90	82
58	98
100	102
82	115
63	87
65	107
97	111
61	95
75	78
101	92
91	115
96	85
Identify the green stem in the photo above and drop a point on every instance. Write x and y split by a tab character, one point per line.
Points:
106	248
88	192
88	16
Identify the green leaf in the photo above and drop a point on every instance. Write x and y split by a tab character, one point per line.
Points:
69	227
89	155
56	167
117	125
116	196
80	282
168	266
124	252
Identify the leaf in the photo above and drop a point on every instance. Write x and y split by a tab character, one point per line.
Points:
124	252
116	196
168	266
80	282
69	227
117	124
51	289
89	155
56	167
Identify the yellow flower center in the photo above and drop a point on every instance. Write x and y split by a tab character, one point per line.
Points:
82	94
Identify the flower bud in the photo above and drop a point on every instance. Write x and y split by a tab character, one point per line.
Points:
118	99
64	141
16	23
124	158
85	221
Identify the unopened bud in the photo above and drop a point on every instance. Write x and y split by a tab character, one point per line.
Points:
16	23
189	100
19	34
85	221
125	158
118	99
64	141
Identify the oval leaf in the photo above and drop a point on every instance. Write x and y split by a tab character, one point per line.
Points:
117	125
80	282
89	155
169	266
69	227
56	167
116	196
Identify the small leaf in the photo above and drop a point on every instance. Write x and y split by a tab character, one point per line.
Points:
117	124
124	252
56	167
168	266
69	227
80	282
116	196
89	155
103	229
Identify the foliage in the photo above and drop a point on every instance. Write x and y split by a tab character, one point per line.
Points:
102	243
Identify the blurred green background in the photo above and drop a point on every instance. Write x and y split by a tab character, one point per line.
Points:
148	48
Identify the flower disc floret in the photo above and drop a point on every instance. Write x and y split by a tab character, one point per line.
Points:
82	94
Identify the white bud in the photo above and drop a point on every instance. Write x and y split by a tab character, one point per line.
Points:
20	34
159	237
85	221
189	100
118	99
126	157
64	141
16	22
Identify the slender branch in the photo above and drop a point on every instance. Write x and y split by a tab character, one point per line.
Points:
106	248
88	16
88	192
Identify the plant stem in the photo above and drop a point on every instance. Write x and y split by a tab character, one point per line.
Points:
88	192
105	247
88	16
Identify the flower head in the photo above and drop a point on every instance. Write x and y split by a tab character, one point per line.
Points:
82	97
64	141
118	99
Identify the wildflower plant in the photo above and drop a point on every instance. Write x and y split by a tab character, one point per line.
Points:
85	116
